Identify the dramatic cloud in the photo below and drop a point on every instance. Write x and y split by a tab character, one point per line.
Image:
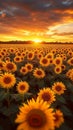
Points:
28	19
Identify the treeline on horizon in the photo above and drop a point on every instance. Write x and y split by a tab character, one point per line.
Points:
31	42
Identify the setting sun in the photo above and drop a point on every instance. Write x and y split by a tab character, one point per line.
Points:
37	41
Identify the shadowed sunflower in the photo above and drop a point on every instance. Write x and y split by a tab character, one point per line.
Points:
39	55
70	61
58	61
63	67
39	73
2	65
29	66
58	69
58	88
59	119
7	58
35	116
17	59
44	61
7	80
23	70
10	66
46	94
22	87
50	55
30	55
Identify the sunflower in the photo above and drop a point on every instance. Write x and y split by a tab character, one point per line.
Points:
7	58
58	69
1	65
58	61
11	50
50	55
17	59
69	72
39	73
10	66
30	55
39	55
1	56
35	116
7	80
23	54
44	61
70	61
29	66
23	70
63	67
71	76
58	88
22	87
59	119
46	94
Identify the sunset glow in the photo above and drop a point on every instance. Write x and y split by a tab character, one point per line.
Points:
36	20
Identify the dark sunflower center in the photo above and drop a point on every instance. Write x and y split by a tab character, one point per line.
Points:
7	80
17	59
24	70
46	96
72	61
22	87
10	66
56	117
1	65
39	72
57	69
49	56
29	67
57	61
58	88
30	55
36	118
44	61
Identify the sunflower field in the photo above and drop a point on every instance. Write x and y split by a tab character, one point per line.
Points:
36	87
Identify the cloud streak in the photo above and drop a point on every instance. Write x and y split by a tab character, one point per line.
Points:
34	16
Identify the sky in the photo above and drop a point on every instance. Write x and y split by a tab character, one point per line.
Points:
36	20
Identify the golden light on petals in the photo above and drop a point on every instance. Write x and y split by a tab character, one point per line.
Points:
46	94
22	87
59	119
58	88
7	80
39	73
35	116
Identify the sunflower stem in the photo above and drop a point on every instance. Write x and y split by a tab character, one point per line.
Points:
8	101
22	97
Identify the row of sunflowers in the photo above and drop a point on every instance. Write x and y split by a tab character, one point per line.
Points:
36	88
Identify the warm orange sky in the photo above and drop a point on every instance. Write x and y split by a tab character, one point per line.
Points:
44	20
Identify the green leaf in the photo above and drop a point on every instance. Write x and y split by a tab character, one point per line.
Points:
61	99
66	111
3	95
64	127
71	97
1	128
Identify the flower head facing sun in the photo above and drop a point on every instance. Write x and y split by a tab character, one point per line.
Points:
59	119
22	87
44	61
46	94
10	66
7	80
29	67
39	73
35	116
59	88
23	70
